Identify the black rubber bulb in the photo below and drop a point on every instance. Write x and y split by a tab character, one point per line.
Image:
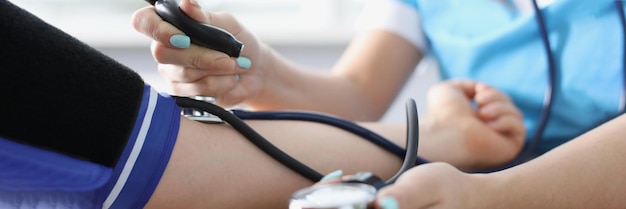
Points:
201	34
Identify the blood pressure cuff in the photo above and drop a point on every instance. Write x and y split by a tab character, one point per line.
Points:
30	175
77	129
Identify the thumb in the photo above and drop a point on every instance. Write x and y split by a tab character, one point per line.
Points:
193	10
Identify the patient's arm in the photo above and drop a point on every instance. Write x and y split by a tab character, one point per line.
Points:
213	166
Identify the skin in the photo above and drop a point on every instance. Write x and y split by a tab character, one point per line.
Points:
273	82
586	172
583	173
453	131
213	166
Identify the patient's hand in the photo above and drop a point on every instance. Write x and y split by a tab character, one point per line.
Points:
489	133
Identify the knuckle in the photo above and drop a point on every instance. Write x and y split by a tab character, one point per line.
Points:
196	61
210	17
189	75
223	64
158	53
161	34
140	20
209	61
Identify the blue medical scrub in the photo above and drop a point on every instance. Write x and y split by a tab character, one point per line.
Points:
32	177
487	40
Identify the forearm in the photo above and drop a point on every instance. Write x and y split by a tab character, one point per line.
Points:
212	166
362	86
587	172
291	86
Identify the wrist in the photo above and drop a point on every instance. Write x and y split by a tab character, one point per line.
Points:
445	140
268	65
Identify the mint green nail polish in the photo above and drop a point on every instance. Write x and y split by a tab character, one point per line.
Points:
244	62
180	41
388	203
333	175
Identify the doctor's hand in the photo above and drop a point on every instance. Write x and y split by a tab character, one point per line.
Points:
429	186
484	128
190	69
433	185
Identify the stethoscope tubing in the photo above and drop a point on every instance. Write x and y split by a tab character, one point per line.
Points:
234	117
328	120
622	18
550	92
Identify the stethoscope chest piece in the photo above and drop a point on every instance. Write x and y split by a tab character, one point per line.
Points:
199	115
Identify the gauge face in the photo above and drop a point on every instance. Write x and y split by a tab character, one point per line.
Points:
340	196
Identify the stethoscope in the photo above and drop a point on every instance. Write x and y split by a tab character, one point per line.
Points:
550	91
202	109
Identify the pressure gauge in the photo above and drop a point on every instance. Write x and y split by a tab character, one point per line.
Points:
334	196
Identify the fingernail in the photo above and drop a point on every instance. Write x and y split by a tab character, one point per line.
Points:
333	175
388	203
244	62
180	41
237	77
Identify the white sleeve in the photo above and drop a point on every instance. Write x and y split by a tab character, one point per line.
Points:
395	17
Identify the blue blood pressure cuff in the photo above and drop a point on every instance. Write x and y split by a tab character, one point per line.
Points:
32	176
146	154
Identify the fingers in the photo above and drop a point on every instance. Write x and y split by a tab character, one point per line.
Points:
196	57
479	92
148	22
505	119
170	39
468	87
193	10
410	185
499	112
175	73
493	105
192	70
192	81
446	95
419	187
511	127
486	94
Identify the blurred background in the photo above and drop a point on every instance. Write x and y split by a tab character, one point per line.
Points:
310	32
